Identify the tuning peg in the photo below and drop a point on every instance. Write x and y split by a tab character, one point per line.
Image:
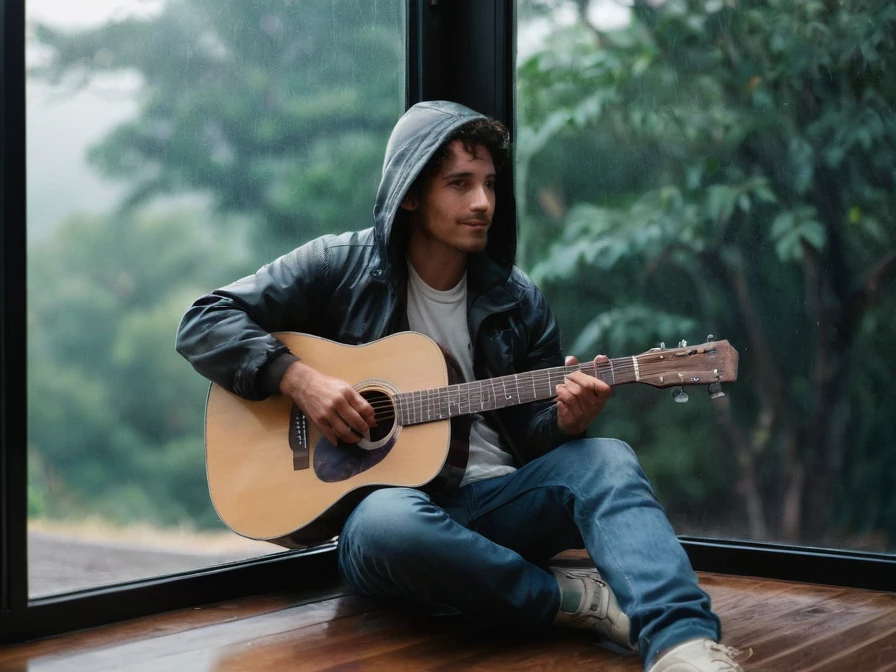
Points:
682	344
710	338
715	391
662	345
679	396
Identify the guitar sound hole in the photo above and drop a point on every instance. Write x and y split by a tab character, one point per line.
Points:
384	408
345	460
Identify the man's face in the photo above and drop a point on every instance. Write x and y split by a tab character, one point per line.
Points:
454	207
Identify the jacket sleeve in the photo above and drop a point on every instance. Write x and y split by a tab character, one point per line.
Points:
533	427
226	335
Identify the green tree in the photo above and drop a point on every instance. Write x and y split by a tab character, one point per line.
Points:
279	110
730	165
115	417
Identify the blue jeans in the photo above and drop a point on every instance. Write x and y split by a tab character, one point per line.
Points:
480	550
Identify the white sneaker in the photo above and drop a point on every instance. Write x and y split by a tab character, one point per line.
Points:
597	610
700	655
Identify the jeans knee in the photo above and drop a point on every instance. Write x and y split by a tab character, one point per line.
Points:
607	455
387	520
383	536
603	461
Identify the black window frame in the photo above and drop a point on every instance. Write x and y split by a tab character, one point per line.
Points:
460	50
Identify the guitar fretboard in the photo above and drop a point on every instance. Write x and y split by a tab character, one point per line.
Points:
487	395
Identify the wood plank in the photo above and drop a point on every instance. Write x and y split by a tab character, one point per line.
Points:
875	653
790	626
109	655
830	635
163	624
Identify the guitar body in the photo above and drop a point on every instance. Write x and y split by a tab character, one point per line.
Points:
273	476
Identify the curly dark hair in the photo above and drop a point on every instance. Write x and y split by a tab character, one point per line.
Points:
488	133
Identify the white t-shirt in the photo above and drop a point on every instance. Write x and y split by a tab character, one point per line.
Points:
442	315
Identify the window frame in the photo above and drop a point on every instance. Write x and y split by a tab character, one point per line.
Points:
438	66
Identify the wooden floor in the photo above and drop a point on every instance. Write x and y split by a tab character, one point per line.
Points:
791	627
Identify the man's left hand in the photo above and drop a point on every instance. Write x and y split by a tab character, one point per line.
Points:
581	398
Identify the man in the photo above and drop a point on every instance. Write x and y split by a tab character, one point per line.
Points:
439	259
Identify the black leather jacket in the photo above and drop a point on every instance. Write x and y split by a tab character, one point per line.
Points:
351	288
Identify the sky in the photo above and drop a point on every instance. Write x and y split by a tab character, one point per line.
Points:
90	12
61	127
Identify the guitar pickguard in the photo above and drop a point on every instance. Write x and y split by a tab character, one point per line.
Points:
344	460
341	462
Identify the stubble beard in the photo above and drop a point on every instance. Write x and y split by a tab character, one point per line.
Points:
465	244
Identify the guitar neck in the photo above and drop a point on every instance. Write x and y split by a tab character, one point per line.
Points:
487	395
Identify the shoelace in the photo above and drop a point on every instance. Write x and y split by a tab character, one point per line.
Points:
725	653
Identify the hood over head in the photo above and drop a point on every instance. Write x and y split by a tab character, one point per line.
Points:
415	138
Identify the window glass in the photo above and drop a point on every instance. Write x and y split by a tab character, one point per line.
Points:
688	168
173	146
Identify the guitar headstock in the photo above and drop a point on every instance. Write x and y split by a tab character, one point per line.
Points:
709	363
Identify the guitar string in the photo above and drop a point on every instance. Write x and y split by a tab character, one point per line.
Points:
499	385
545	375
537	378
427	400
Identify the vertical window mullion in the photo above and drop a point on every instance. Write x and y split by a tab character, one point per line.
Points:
463	50
13	433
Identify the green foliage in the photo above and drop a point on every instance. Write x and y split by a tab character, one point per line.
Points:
727	167
115	416
278	110
37	487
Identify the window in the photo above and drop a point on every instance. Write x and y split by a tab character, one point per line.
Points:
172	147
673	181
694	168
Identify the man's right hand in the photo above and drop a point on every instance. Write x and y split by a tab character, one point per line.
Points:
334	406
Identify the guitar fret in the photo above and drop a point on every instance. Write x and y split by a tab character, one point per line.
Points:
487	394
422	406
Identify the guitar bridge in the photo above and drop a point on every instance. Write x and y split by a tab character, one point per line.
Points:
298	438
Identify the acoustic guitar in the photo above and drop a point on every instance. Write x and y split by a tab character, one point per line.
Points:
273	476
